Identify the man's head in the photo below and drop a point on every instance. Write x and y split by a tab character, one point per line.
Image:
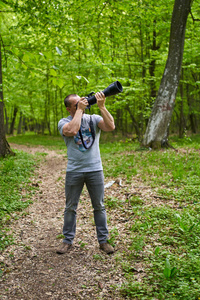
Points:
70	103
67	100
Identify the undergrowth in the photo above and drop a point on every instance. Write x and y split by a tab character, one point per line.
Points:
15	190
164	237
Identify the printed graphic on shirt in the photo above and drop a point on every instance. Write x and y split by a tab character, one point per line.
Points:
87	138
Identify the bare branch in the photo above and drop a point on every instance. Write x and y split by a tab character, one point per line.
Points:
193	19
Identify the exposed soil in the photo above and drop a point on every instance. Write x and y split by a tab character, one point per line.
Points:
35	271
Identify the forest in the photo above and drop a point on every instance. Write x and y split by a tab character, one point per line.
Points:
50	49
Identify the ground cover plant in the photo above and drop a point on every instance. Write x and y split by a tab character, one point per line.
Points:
165	236
163	230
15	190
33	139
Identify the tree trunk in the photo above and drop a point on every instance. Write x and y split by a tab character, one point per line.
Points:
157	129
24	124
12	126
4	146
191	114
135	124
6	119
152	65
19	129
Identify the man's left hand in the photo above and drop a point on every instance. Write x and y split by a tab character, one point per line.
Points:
100	99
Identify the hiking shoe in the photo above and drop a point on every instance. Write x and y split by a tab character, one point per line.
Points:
64	248
107	248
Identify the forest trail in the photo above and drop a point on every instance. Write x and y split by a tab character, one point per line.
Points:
34	270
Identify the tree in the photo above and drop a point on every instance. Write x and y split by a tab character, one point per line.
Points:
4	146
156	134
60	47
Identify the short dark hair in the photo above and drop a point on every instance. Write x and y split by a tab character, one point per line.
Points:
67	100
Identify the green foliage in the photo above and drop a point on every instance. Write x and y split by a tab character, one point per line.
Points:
187	223
16	189
163	236
113	202
60	236
113	235
41	140
60	47
172	268
168	271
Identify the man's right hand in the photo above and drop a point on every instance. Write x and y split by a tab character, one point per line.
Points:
82	104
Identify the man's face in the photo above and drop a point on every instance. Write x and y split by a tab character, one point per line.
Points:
73	100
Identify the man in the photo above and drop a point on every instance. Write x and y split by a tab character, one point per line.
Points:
81	133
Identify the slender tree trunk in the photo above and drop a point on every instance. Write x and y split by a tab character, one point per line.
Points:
19	129
4	146
128	59
56	110
48	114
61	103
6	119
13	120
191	114
156	134
135	124
152	65
25	126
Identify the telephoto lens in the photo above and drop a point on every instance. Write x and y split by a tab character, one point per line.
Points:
113	89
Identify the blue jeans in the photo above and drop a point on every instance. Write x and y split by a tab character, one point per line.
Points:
74	183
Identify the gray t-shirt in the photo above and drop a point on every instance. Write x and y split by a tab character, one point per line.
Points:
79	158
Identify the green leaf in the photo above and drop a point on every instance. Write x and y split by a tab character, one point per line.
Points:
167	263
174	270
59	50
48	55
60	83
191	227
2	5
182	226
24	66
26	57
167	269
86	79
53	72
157	250
54	80
167	273
80	77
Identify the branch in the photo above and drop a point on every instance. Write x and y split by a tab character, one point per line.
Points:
31	68
7	11
28	67
193	19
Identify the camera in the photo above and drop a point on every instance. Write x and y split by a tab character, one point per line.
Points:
113	89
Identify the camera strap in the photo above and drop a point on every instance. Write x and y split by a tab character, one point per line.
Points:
92	132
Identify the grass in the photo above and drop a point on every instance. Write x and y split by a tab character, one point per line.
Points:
31	139
172	268
16	190
164	238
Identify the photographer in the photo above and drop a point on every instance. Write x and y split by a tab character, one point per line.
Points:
81	133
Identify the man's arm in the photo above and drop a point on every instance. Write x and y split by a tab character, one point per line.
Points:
107	124
72	128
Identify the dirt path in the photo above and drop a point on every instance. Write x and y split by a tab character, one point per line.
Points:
34	270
